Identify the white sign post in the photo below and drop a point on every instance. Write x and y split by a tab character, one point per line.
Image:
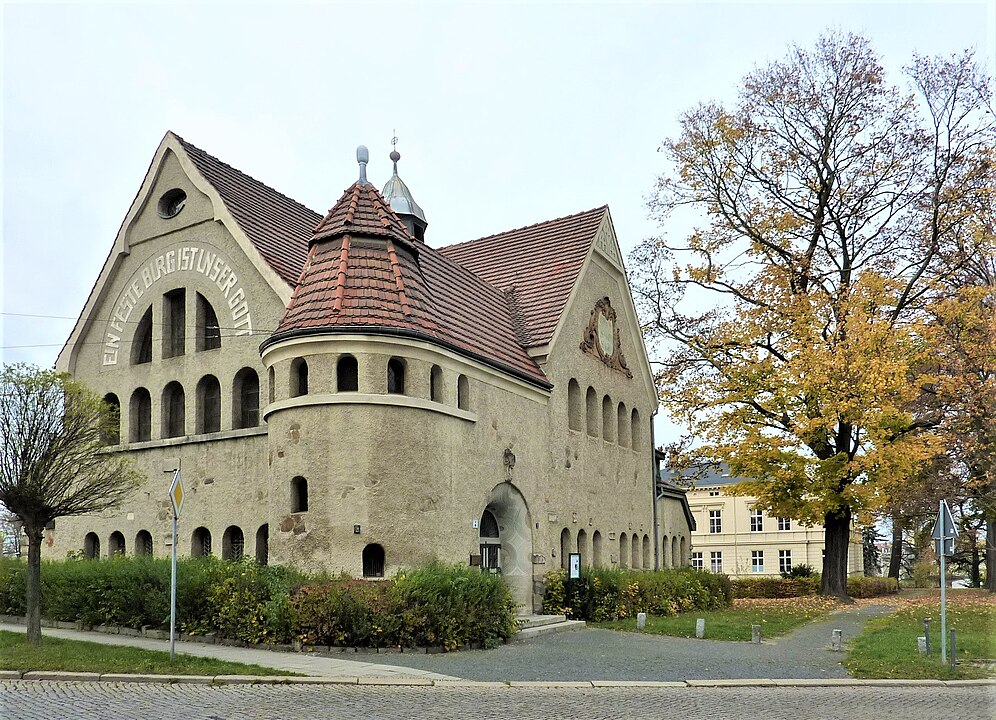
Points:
176	500
944	535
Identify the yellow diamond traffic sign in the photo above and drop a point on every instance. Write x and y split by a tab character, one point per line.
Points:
176	493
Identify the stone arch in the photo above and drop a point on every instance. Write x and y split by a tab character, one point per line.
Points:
596	549
583	548
233	543
565	547
675	562
143	542
299	377
91	546
665	555
592	420
623	550
635	548
116	544
648	562
683	550
111	434
263	544
622	422
509	507
575	407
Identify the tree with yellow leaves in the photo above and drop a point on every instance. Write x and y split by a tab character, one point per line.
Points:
793	327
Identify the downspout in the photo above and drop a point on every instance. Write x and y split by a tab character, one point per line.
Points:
653	493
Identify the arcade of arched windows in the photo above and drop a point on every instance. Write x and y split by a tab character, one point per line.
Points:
634	550
233	544
612	422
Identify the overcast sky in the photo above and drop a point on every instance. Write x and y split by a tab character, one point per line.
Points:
506	114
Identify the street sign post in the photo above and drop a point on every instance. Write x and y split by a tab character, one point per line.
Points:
944	535
176	495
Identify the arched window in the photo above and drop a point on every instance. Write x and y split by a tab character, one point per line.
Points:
208	329
583	548
174	322
682	552
91	546
141	345
565	547
200	542
299	495
347	374
636	431
463	393
263	544
623	426
608	420
596	549
675	559
233	543
666	553
141	416
489	526
373	560
299	377
575	410
172	408
116	544
635	548
648	561
111	434
396	376
245	398
436	384
623	550
208	405
591	409
271	384
143	543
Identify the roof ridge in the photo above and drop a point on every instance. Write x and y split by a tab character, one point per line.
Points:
187	145
527	227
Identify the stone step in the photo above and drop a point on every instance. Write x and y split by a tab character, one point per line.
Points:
530	632
529	621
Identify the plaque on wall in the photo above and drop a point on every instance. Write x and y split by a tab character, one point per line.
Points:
601	337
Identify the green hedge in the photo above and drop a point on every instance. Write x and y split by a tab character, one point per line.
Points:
858	586
436	605
603	594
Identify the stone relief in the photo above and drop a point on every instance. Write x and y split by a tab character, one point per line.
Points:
601	337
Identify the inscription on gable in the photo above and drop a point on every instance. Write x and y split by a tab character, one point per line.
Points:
187	258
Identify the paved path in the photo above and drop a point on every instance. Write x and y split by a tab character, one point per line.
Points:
611	655
292	662
28	700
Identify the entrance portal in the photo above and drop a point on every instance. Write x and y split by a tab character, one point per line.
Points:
507	543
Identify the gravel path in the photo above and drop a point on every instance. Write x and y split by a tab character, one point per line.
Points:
611	655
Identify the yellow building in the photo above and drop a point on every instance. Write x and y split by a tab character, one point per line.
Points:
733	537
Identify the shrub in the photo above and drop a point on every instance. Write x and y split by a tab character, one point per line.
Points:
799	571
775	587
861	586
606	594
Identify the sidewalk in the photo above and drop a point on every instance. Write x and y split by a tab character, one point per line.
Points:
306	664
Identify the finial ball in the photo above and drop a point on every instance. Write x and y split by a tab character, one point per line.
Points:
395	155
362	154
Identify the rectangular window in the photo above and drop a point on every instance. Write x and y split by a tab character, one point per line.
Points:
714	493
757	561
784	561
716	561
756	521
697	563
784	524
174	323
715	521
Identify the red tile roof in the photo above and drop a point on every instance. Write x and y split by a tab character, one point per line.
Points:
490	298
277	226
536	266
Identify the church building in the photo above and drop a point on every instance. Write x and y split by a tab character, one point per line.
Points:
340	395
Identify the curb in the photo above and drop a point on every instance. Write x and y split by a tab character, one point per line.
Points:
219	680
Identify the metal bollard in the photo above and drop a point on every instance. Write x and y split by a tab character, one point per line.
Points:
641	621
835	641
954	650
755	634
700	628
926	633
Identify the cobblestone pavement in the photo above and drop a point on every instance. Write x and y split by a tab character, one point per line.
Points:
610	655
33	700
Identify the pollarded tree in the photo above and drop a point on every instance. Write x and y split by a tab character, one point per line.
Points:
836	205
52	461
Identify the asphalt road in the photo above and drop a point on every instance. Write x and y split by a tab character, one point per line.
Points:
35	700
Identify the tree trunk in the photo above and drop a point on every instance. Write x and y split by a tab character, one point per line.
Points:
836	535
33	592
990	555
974	577
896	554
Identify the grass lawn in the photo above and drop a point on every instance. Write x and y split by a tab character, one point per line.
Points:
78	656
776	617
887	647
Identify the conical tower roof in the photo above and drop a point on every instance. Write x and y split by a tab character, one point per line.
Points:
399	197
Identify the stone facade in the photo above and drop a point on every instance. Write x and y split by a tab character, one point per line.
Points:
308	451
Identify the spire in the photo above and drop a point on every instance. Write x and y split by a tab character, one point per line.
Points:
401	201
363	157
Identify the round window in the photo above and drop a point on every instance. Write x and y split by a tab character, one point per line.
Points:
171	203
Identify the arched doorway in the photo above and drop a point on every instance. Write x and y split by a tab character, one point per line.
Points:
505	533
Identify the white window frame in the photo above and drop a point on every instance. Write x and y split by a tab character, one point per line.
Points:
784	561
757	561
784	523
715	522
716	561
756	520
697	561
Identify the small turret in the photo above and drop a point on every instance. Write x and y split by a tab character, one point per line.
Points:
399	197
